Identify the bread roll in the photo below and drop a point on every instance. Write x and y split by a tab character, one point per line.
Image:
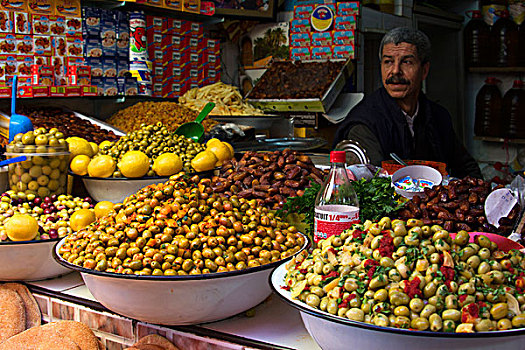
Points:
32	310
12	314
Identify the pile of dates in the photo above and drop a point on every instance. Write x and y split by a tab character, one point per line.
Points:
268	177
457	206
182	227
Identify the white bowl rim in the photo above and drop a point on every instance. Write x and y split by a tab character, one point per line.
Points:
206	276
34	241
302	307
164	178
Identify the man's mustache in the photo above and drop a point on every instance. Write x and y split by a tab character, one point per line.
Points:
397	80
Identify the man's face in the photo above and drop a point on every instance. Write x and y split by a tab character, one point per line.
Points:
401	70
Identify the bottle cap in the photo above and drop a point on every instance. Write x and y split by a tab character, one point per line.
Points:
338	157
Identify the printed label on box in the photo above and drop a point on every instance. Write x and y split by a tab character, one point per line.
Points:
348	8
300	53
42	75
122	67
321	52
75	61
15	5
300	26
59	46
345	22
343	37
131	86
196	29
322	39
343	51
303	11
40	91
96	66
57	25
42	45
22	23
41	24
6	22
10	63
68	8
24	44
73	25
173	4
110	86
109	66
23	65
91	21
7	43
75	45
42	60
300	39
41	7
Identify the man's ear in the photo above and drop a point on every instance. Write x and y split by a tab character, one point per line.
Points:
426	68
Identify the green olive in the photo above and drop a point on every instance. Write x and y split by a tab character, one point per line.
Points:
484	325
499	310
451	314
355	314
420	323
436	323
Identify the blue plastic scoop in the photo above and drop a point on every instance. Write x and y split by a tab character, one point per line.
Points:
17	123
13	160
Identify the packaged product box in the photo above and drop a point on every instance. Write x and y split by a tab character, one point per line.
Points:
10	64
321	52
210	73
211	59
213	46
122	67
75	61
42	45
59	45
40	91
7	43
343	51
88	90
98	83
42	75
121	86
57	25
23	65
79	75
109	67
68	8
178	88
156	54
108	33
173	4
96	66
2	70
110	86
155	24
131	88
73	25
15	5
195	60
41	24
166	87
207	8
22	23
300	39
343	37
42	60
197	45
58	64
181	27
91	21
7	21
157	87
57	91
122	34
345	22
24	91
196	30
75	45
158	70
322	39
73	91
92	47
5	91
348	8
196	75
331	5
157	3
24	44
41	7
191	6
300	26
175	42
153	37
303	11
179	72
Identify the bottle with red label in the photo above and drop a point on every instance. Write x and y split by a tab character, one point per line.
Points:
336	205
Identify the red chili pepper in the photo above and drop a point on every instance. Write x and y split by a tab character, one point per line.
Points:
448	274
462	298
331	249
412	288
370	273
285	288
386	245
370	262
358	234
470	313
303	271
331	274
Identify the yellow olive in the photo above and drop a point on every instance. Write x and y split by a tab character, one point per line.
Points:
451	314
436	323
355	314
420	323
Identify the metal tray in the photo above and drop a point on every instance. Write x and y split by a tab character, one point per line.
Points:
258	122
278	144
308	104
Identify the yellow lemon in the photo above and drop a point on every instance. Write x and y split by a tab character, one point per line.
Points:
101	166
204	161
21	227
105	144
221	151
167	164
103	208
212	141
79	164
78	145
230	147
81	218
134	164
94	147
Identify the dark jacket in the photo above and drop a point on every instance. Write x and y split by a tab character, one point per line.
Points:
434	137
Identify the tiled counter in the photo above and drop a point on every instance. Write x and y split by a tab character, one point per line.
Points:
274	324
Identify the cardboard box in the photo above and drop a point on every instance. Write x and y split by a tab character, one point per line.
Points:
57	25
303	11
343	37
57	91
300	39
88	90
59	45
7	21
322	39
157	3
211	59
131	87
10	64
5	92
181	27
73	25
300	53
300	26
173	4
196	30
192	6
158	70
7	43
344	51
25	91
68	8
59	69
175	42
153	37
40	91
348	8
83	75
93	47
24	44
23	65
156	24
75	46
110	86
98	83
42	60
156	53
41	7
91	21
41	24
22	23
108	34
321	52
122	67
15	5
345	22
75	61
73	91
122	34
42	75
213	46
197	45
109	67
42	45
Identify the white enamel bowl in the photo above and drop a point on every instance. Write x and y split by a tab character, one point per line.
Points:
338	333
421	172
177	300
116	190
29	261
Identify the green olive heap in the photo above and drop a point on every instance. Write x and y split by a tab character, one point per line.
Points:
407	275
181	227
155	140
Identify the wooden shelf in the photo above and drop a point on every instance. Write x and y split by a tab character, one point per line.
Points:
496	69
499	139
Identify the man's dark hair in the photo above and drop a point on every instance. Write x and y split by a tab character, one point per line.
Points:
410	36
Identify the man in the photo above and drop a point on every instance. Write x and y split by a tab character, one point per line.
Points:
399	118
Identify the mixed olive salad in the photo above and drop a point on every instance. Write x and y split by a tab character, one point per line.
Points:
413	276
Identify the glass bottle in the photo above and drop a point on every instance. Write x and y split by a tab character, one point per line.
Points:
336	204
